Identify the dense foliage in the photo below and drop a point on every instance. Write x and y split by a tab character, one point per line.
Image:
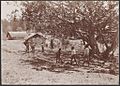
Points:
93	21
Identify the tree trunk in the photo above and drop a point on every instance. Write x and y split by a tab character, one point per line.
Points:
93	44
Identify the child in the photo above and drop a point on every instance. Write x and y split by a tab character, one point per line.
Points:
73	55
32	45
58	59
42	47
27	46
86	54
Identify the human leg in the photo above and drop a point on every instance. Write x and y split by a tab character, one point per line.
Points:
72	57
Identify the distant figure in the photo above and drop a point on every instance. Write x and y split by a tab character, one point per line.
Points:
27	46
82	47
32	45
73	55
58	58
42	47
51	44
47	43
86	54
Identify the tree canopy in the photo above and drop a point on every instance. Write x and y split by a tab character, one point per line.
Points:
93	21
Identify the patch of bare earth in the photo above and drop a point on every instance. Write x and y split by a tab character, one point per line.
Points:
21	68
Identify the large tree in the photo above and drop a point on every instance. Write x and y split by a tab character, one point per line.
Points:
100	22
93	21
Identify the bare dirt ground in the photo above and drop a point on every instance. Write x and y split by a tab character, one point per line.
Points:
19	68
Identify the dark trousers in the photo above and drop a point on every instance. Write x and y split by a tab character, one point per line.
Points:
58	59
42	49
27	49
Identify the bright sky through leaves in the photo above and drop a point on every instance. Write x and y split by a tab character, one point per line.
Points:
8	6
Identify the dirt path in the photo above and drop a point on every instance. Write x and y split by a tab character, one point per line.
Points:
15	72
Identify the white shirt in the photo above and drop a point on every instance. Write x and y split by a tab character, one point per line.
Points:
86	51
73	52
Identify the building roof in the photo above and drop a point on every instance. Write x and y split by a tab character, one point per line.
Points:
17	34
34	34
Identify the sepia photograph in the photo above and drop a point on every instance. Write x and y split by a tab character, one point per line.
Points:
60	42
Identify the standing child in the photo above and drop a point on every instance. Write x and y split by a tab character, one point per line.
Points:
42	47
58	58
27	46
73	55
32	45
51	44
86	54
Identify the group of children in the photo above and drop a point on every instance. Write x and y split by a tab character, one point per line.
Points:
73	55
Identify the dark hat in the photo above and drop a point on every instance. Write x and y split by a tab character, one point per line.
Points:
72	47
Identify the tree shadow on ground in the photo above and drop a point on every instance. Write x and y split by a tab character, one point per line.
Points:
46	61
40	64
